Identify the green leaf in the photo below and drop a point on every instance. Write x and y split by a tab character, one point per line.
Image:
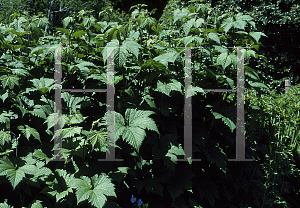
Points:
22	72
240	16
167	88
64	31
9	80
178	14
187	40
179	181
72	101
249	53
233	58
109	49
76	118
82	66
5	205
224	60
28	131
174	151
225	116
39	112
78	34
188	25
43	84
68	132
132	47
54	118
198	39
258	84
15	176
37	204
4	137
252	24
251	73
4	96
199	22
170	56
256	35
240	24
121	53
97	136
39	154
216	155
134	132
148	22
66	21
228	23
89	21
95	190
214	37
151	64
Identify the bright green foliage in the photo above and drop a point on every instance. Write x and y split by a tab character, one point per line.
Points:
14	174
132	128
28	131
149	80
167	88
9	81
94	190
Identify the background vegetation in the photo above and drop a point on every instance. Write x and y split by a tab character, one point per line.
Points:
149	103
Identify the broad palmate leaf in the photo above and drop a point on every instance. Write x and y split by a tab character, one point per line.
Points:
14	175
93	190
134	130
27	131
9	80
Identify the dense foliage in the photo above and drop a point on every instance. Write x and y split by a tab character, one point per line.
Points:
149	103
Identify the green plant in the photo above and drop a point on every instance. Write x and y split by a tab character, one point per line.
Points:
149	118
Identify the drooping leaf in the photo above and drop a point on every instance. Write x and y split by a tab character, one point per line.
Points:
28	131
166	88
257	35
170	56
214	37
224	60
9	80
66	21
226	116
188	25
199	22
228	24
